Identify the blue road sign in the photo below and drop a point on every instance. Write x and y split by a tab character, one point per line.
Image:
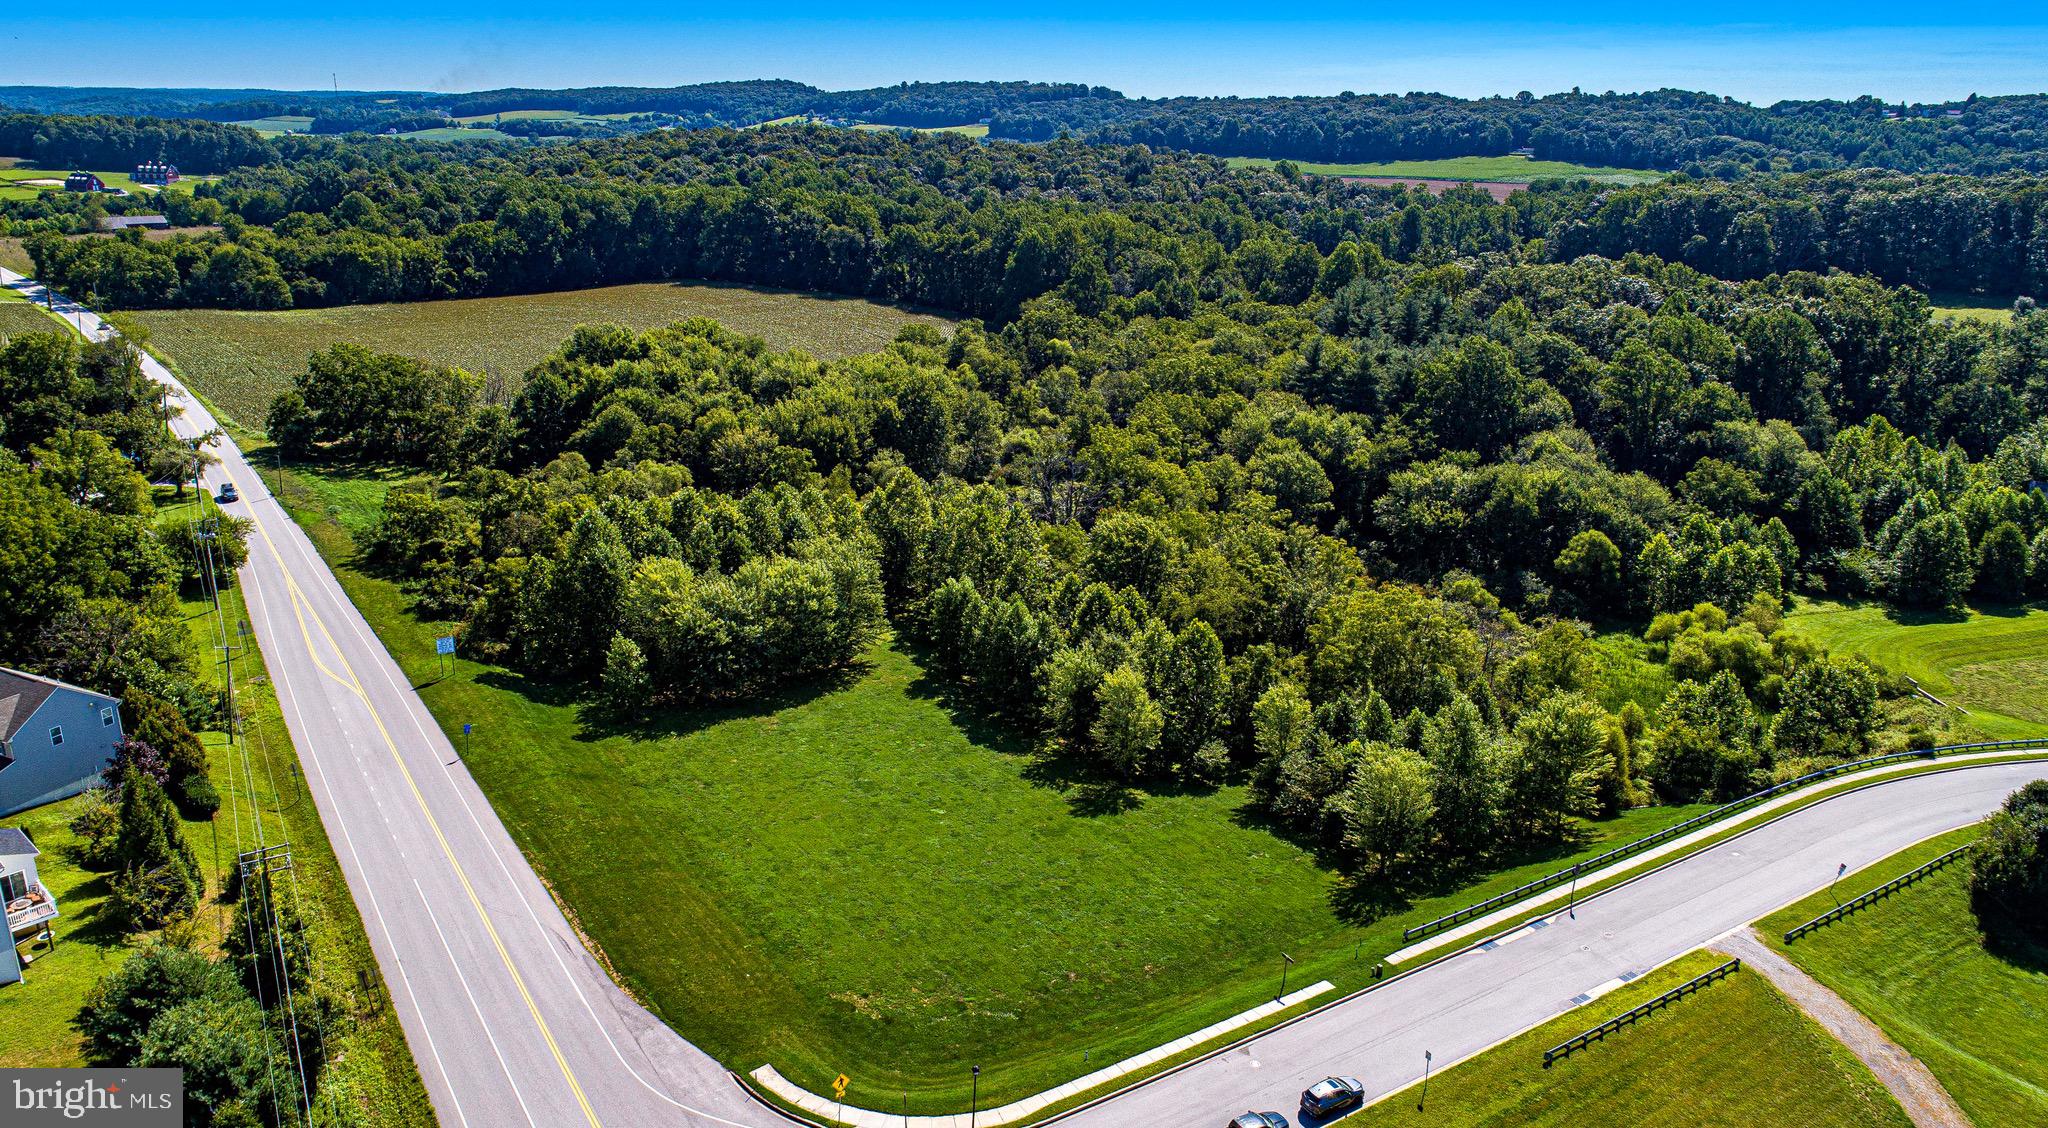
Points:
445	644
465	728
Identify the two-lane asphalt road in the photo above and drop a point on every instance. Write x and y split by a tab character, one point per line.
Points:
509	1018
512	1022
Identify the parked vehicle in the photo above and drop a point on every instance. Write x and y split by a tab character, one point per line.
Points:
227	493
1332	1095
1260	1120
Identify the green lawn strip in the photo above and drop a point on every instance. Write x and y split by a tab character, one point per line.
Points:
1500	170
246	358
371	1068
1993	663
1917	964
1621	873
972	911
1738	1052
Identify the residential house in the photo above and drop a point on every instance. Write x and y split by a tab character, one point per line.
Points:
84	182
54	739
30	908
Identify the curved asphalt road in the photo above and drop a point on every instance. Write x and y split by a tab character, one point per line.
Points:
512	1022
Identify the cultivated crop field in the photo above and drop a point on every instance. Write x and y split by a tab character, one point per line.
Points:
241	360
1917	964
18	315
1994	664
1736	1053
1506	170
281	123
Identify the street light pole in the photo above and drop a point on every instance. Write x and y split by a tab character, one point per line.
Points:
1286	966
1839	871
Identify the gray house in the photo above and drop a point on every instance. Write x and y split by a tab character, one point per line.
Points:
54	739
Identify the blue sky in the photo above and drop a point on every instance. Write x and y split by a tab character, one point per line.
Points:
1749	50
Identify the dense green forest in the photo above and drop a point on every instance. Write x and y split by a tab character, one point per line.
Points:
1698	133
942	221
1240	474
1200	498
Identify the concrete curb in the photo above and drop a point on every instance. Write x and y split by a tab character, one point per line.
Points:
767	1077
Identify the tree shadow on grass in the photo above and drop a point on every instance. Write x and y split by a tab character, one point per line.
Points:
597	722
1089	790
2008	943
1361	899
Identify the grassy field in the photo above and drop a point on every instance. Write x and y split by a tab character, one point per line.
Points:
1506	170
14	257
1988	308
975	130
19	315
1736	1053
13	184
241	360
1918	966
984	904
371	1061
1992	663
281	123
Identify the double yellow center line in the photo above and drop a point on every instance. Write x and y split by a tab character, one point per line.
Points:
302	608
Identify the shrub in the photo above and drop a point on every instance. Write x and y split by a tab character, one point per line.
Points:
198	798
120	1007
2009	868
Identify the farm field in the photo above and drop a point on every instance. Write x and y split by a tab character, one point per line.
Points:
281	123
241	359
974	130
1737	1052
446	133
14	257
1917	965
18	315
539	115
979	896
1994	664
371	1061
15	182
1972	307
1506	170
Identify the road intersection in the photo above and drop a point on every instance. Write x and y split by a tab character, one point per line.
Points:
512	1021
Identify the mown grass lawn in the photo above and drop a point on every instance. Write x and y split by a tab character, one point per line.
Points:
1507	170
854	876
371	1067
1918	965
1991	662
1737	1053
240	360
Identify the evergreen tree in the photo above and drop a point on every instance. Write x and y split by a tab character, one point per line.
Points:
159	877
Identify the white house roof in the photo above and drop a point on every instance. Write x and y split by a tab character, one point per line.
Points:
21	694
13	843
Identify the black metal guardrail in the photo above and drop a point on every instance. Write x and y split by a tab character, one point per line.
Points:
1598	1033
1887	889
1574	872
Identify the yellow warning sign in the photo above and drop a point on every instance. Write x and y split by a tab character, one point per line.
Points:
839	1085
